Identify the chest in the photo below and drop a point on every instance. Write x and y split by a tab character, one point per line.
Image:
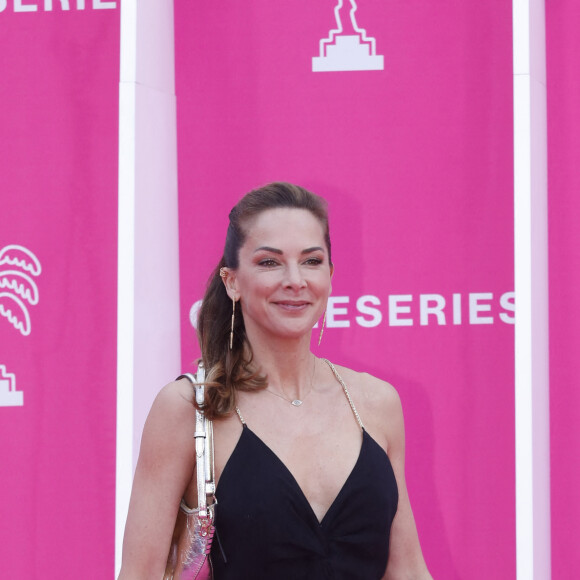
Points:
266	523
317	452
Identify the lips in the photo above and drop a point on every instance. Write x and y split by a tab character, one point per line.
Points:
292	304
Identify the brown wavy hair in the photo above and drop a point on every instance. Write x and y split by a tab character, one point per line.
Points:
233	370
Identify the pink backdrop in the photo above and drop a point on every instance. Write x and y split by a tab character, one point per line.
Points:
414	153
563	56
416	161
58	160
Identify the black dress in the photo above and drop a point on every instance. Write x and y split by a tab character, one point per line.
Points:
267	530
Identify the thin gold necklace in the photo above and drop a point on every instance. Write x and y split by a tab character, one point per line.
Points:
296	402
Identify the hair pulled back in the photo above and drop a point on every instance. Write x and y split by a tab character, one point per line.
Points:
232	370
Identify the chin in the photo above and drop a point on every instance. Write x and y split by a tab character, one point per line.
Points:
295	333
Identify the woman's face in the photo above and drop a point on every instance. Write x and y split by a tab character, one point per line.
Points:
283	276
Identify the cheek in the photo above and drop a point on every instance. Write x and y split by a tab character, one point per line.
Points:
324	284
251	290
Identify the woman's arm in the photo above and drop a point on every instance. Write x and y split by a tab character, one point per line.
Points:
405	557
164	470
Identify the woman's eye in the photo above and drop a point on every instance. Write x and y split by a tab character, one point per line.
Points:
268	263
313	261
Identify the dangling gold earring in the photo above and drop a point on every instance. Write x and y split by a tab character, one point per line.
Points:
322	329
232	329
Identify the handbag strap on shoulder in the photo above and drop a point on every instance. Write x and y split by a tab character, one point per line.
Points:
203	444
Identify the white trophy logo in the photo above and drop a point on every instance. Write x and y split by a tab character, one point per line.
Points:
347	49
18	266
9	396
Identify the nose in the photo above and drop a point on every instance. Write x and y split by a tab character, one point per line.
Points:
294	278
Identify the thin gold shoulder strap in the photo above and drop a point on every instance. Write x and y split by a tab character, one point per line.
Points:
339	379
240	415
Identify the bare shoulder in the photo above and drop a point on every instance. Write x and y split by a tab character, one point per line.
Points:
170	425
378	404
175	398
370	391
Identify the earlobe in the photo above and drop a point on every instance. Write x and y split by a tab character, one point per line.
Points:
232	287
229	279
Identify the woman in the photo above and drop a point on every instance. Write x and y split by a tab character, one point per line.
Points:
303	489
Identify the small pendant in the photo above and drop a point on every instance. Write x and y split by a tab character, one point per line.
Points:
297	402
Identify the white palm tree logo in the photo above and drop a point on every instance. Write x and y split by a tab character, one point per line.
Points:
18	268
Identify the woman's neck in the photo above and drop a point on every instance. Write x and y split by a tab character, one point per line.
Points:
289	365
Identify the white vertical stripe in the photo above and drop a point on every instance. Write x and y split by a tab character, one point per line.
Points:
126	270
128	72
531	272
521	36
523	331
148	342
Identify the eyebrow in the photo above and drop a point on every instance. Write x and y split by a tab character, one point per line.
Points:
280	252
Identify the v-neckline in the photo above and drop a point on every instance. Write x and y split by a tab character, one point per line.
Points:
291	476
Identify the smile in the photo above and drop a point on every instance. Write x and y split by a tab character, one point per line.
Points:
292	305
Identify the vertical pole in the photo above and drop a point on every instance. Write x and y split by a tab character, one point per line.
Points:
125	272
148	336
531	288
